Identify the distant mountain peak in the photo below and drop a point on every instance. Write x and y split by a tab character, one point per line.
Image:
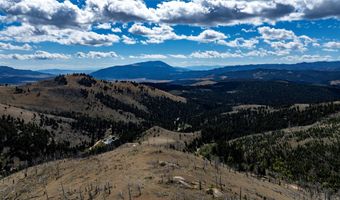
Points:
151	64
150	70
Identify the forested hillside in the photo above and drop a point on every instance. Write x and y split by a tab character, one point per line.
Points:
300	146
304	156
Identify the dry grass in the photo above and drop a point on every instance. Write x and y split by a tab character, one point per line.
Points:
48	96
147	171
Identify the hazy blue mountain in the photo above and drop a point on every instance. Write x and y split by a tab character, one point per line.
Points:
152	70
318	72
316	66
303	76
10	75
319	66
202	67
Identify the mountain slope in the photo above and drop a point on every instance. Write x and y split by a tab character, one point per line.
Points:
68	114
85	95
297	76
142	172
10	75
302	154
317	73
320	66
153	70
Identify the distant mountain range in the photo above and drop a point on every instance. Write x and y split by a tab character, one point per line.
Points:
157	70
10	75
316	73
326	73
64	71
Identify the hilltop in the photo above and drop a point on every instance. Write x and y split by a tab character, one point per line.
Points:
141	172
84	95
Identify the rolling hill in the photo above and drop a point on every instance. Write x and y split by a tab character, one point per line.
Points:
67	114
84	95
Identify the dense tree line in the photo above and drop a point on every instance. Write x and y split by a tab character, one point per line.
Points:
272	93
115	104
26	142
249	121
307	157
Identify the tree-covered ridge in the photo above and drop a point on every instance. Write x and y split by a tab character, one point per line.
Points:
307	156
251	121
273	93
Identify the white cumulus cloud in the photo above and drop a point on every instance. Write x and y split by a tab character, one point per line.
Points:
38	55
97	54
8	46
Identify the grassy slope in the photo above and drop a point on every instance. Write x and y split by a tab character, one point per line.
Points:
49	96
150	168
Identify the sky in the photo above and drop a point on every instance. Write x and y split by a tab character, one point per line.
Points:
92	34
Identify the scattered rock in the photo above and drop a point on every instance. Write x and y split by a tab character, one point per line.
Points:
215	192
169	164
180	180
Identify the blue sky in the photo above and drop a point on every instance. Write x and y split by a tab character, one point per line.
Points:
92	34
